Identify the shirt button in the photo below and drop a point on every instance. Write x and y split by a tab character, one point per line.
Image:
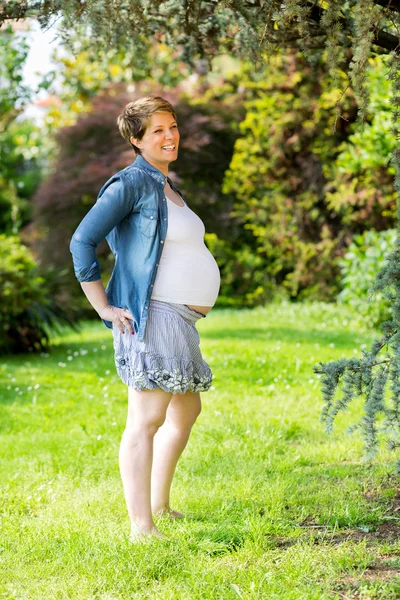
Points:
146	307
162	241
157	265
152	285
165	218
163	199
151	217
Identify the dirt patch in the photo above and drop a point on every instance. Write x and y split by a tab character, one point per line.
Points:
348	587
375	572
387	530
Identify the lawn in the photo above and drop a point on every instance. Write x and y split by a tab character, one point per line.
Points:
276	508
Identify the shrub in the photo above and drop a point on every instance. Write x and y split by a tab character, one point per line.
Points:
306	181
27	312
359	267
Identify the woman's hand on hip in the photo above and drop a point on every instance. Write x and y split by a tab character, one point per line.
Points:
120	316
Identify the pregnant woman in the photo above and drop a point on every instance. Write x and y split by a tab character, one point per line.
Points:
164	280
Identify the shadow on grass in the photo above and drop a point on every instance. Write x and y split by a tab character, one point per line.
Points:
288	335
217	540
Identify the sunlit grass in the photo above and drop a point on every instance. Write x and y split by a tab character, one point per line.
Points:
275	507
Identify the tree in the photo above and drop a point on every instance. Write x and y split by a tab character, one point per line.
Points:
303	191
27	311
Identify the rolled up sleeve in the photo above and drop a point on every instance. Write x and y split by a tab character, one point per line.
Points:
114	203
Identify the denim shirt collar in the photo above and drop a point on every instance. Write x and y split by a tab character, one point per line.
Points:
155	173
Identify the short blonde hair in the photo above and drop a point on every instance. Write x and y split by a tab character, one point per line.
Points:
135	117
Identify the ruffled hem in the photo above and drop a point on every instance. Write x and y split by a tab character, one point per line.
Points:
145	370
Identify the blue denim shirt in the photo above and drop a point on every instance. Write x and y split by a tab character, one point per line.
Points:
131	214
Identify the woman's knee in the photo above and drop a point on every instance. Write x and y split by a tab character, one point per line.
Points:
147	427
184	410
147	411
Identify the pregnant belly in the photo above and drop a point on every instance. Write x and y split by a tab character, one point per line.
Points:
202	309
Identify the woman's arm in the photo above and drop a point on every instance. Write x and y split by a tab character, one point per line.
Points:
114	204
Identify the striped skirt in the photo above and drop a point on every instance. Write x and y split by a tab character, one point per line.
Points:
169	356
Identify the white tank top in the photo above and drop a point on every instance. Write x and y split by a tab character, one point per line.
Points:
187	271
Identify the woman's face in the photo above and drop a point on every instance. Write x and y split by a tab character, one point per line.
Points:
159	145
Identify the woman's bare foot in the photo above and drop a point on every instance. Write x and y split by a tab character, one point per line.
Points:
174	514
138	534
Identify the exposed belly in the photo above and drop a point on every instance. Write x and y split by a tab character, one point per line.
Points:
203	309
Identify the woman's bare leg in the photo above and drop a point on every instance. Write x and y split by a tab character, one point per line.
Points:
169	444
146	413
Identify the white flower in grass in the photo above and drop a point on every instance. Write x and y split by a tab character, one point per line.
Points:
83	351
70	358
95	349
36	386
104	347
99	437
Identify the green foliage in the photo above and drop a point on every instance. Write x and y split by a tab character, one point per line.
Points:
276	174
84	74
20	140
13	92
27	312
360	186
244	281
21	156
359	268
370	376
302	191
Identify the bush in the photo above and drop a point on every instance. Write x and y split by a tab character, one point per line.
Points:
359	268
306	181
27	312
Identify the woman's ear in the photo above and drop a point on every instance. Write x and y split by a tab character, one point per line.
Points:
135	142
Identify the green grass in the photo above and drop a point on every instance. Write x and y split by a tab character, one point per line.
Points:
275	507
